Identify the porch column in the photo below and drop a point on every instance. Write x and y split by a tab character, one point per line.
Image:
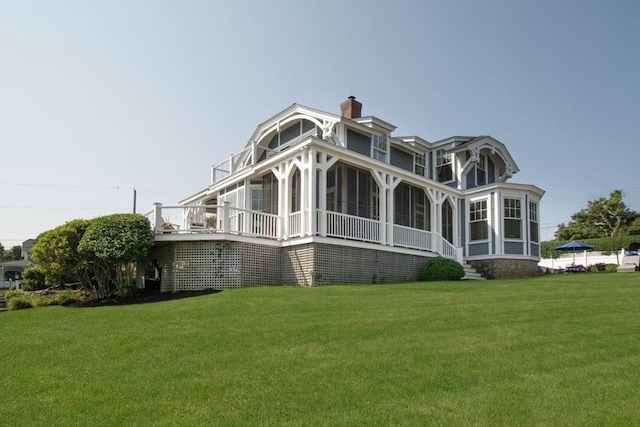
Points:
382	190
390	214
310	214
284	202
157	217
322	202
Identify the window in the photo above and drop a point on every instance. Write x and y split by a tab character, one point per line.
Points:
512	219
478	224
295	191
380	147
447	221
481	170
419	163
444	166
256	198
352	191
270	194
411	207
533	222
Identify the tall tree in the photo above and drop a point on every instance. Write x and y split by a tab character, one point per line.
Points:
603	217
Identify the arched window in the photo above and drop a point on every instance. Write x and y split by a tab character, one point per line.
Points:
447	221
295	191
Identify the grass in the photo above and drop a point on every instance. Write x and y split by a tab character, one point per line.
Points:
554	350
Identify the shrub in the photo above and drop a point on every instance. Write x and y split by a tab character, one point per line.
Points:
126	290
18	300
611	268
441	268
32	279
67	297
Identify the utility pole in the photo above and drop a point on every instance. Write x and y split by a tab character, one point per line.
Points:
134	200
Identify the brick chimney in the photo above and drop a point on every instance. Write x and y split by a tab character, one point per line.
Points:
351	109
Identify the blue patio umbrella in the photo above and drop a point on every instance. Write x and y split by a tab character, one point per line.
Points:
573	247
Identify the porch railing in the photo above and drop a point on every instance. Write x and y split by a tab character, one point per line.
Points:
227	219
295	224
411	237
352	227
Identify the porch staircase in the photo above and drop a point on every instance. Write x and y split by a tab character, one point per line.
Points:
471	274
3	303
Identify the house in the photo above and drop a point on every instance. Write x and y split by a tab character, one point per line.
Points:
316	197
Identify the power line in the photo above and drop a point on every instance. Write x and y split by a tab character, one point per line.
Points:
91	187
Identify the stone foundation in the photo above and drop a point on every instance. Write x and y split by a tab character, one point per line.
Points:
501	268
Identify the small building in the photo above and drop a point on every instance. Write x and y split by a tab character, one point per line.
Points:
317	198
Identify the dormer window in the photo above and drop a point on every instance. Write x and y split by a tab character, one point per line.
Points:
444	166
380	147
419	163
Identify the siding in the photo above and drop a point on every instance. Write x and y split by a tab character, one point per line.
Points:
358	142
513	248
478	249
401	159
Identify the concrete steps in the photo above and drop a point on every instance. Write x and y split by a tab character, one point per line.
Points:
3	303
471	274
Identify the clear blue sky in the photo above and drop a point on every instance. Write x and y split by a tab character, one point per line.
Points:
99	97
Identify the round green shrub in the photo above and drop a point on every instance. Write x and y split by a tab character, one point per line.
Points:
440	268
32	279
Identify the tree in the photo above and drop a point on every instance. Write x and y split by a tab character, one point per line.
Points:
604	217
13	254
112	245
56	252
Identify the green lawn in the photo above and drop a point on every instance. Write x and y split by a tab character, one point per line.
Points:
548	351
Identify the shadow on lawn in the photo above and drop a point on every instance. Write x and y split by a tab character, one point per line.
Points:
144	297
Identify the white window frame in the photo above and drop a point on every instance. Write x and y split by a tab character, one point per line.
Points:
380	147
420	163
534	219
444	159
476	216
512	212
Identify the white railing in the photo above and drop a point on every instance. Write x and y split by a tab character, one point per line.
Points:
212	219
295	224
446	249
234	163
412	238
226	219
425	240
260	224
352	227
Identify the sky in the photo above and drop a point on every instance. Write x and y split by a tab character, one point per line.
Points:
98	98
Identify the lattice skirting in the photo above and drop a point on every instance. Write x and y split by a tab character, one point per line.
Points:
191	266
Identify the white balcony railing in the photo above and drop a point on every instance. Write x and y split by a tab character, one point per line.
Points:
200	219
234	163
